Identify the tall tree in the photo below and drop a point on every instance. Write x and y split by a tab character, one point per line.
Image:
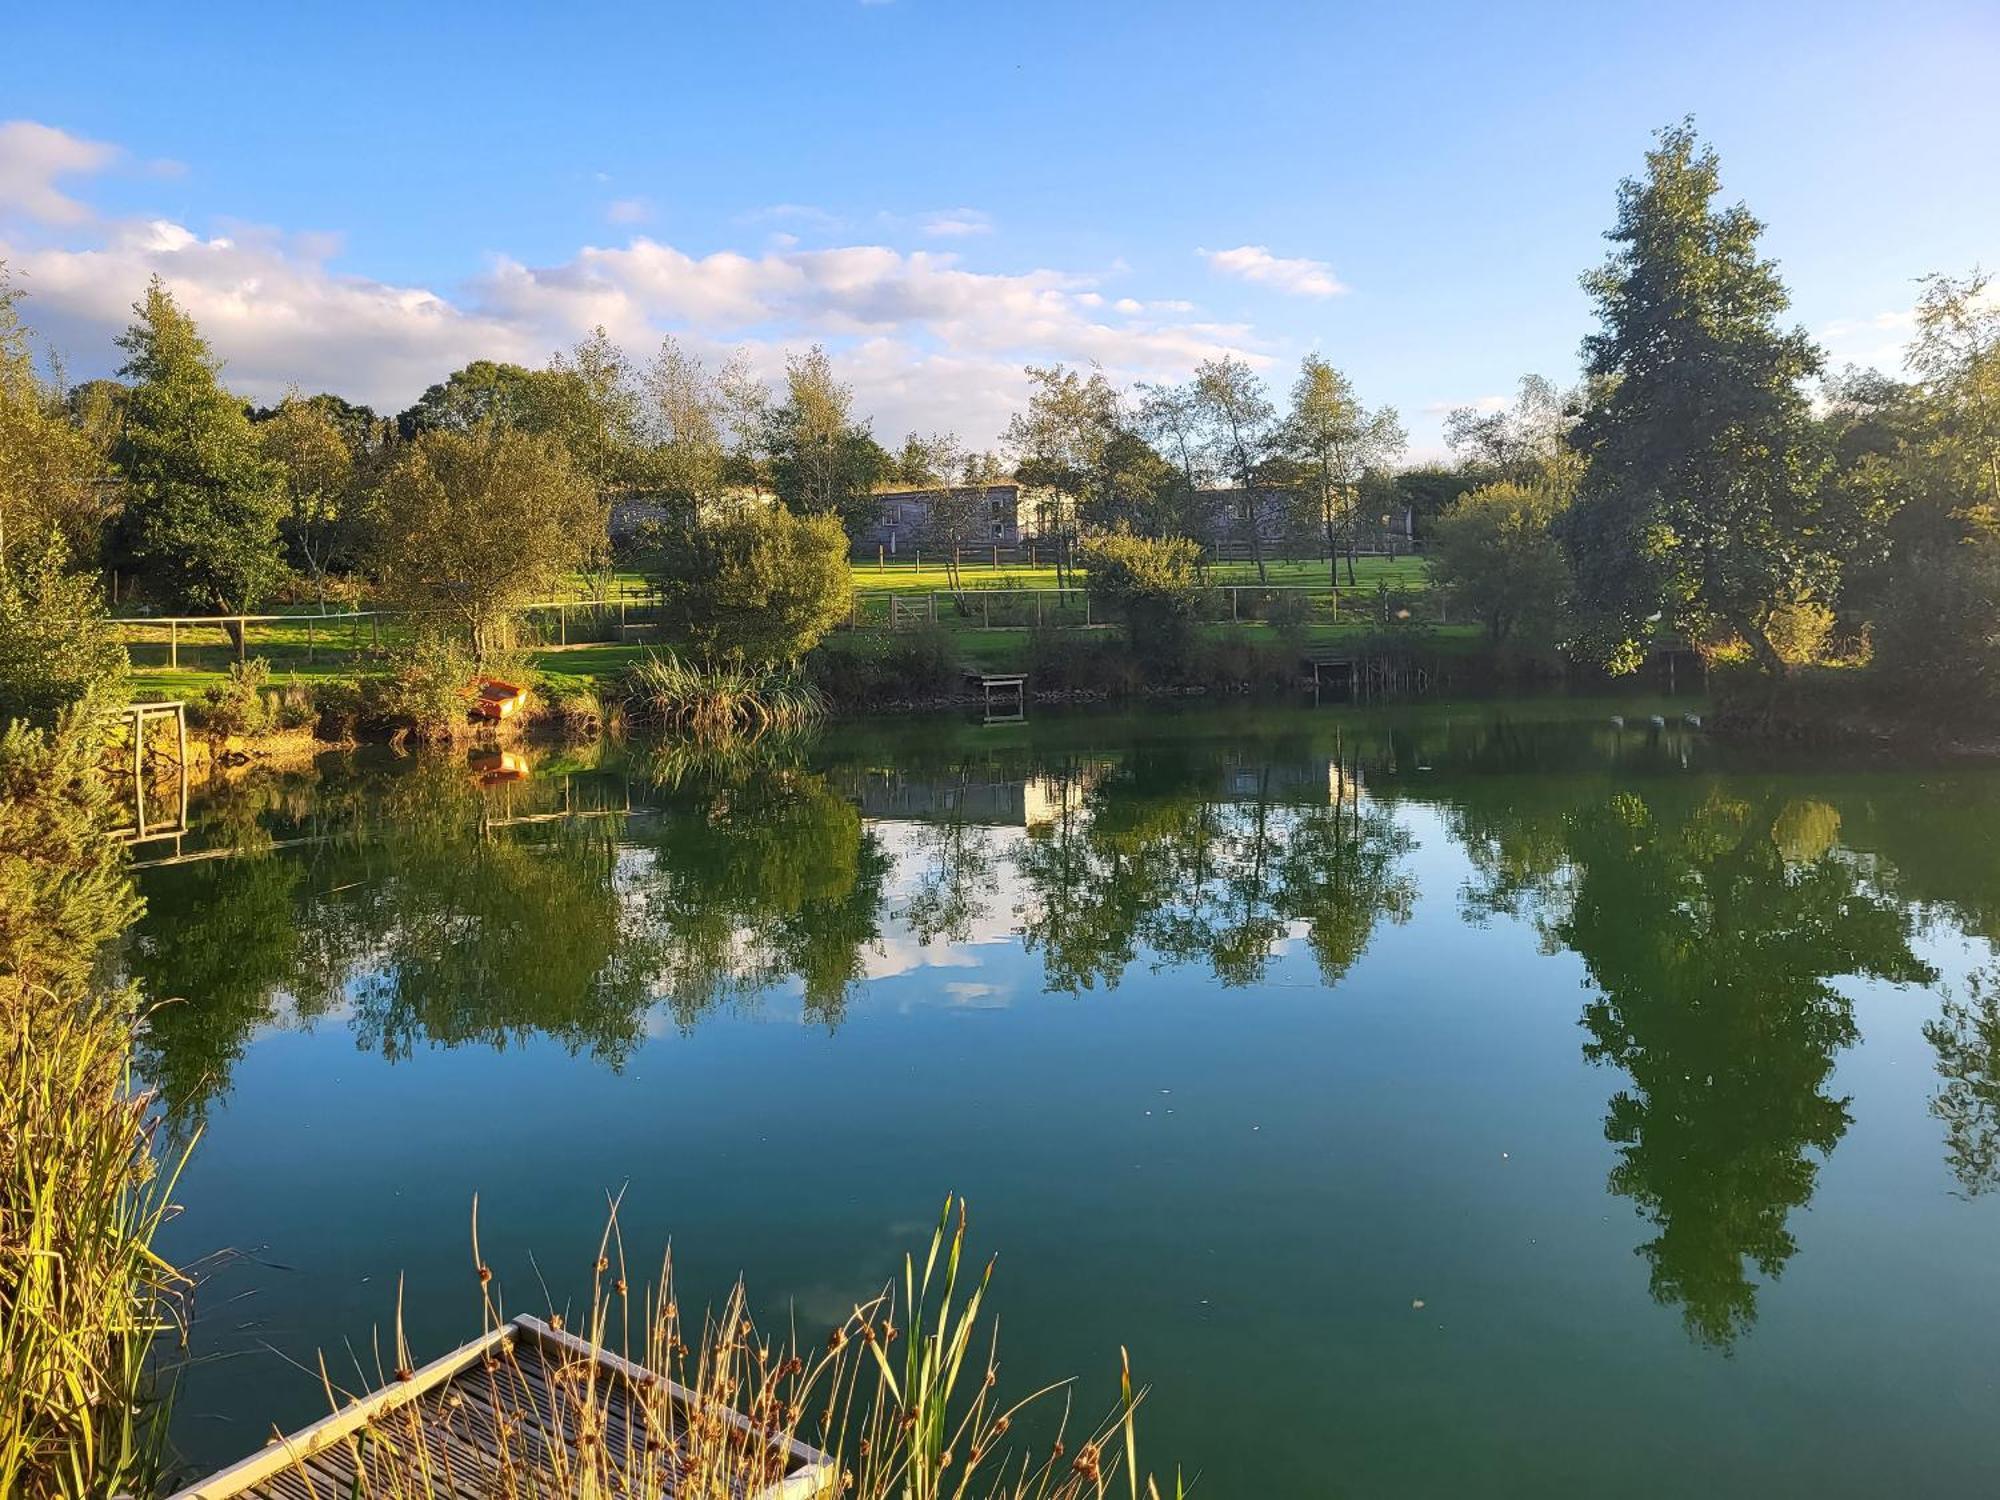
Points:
203	503
49	468
1334	440
686	416
1956	354
1238	423
1700	504
1059	445
315	464
467	526
823	462
1527	443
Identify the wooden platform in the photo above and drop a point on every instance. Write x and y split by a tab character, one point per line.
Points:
508	1414
1012	687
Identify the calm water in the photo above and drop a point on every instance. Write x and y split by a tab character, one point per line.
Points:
1486	1100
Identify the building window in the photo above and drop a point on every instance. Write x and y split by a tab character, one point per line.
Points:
999	530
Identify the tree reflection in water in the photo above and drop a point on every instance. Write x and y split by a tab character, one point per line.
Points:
1713	917
1711	928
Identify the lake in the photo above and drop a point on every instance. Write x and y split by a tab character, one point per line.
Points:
1502	1098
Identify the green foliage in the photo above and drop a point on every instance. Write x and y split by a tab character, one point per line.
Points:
1702	499
466	526
1496	554
64	892
1152	585
877	670
822	461
47	464
423	695
314	454
757	585
56	648
203	504
718	700
238	707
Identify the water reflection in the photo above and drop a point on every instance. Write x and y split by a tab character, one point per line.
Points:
1715	910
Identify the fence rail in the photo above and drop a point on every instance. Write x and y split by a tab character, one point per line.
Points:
358	633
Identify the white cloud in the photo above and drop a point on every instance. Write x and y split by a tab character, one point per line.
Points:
33	157
1298	277
628	211
926	341
1477	403
948	223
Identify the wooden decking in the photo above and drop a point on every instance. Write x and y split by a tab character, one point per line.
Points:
510	1414
1012	688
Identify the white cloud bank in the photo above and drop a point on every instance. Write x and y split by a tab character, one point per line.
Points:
1293	276
927	342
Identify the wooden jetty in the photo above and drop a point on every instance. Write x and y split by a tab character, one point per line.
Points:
1012	687
510	1413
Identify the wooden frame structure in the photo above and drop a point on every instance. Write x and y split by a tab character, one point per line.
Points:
134	719
464	1424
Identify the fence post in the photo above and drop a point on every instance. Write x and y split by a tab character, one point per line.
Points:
1086	610
242	638
1038	609
562	624
985	611
881	558
309	640
932	597
375	627
174	644
1233	615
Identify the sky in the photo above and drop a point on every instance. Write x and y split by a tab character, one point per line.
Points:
360	198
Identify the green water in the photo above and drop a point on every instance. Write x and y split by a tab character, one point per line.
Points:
1482	1100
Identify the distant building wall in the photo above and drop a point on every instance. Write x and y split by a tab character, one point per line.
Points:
903	515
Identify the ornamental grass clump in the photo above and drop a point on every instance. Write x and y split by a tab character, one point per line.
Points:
717	700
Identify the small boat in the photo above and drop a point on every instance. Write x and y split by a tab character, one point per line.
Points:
494	699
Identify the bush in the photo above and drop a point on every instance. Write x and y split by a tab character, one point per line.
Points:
1070	661
238	706
1151	584
1496	555
424	694
759	586
1291	614
56	647
864	671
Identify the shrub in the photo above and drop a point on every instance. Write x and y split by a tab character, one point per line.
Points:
1496	555
758	586
237	706
871	670
1152	585
1291	614
424	694
56	647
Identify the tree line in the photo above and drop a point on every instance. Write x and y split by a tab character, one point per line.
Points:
1707	476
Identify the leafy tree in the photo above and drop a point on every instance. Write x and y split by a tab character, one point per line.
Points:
314	456
1152	584
1334	440
1059	444
484	392
466	526
56	648
1427	491
203	504
1527	443
1701	501
1237	425
1496	555
1956	354
822	461
758	584
49	468
687	418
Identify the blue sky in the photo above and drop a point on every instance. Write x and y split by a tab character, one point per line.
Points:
360	198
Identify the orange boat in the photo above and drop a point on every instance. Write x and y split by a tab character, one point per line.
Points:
494	699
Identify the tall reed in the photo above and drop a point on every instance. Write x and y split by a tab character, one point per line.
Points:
909	1412
717	700
83	1295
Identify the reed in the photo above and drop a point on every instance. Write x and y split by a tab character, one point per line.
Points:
717	700
903	1394
83	1295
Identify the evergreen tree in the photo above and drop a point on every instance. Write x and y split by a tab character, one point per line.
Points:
203	504
1700	502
